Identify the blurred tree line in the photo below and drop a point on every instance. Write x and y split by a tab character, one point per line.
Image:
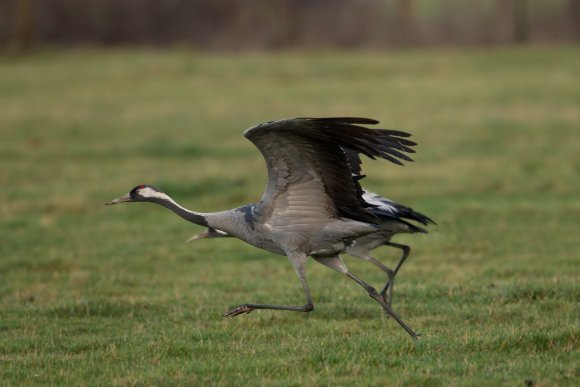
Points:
274	24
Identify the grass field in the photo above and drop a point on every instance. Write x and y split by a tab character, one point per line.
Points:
111	295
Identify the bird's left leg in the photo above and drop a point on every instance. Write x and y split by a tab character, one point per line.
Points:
298	260
335	263
387	291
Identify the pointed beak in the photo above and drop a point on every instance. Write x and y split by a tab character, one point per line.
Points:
201	235
122	199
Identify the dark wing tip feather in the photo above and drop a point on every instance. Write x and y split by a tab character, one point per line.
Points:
409	213
423	219
384	143
395	153
429	220
421	230
392	159
398	133
347	120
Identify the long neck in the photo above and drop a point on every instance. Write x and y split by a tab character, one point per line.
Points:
191	216
237	222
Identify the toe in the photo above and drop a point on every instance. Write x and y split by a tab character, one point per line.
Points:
238	310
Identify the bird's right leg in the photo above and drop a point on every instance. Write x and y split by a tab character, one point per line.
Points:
298	260
387	291
365	256
336	263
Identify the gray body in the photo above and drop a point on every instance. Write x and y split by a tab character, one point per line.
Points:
312	204
394	222
300	230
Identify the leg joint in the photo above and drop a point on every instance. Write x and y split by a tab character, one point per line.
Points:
373	292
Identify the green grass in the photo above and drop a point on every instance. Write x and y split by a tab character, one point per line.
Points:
111	295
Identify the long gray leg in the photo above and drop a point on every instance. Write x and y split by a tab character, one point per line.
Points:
298	260
388	289
337	264
387	296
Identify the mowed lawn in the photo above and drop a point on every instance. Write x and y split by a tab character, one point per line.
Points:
101	295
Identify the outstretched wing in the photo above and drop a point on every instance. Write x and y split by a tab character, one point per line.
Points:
309	175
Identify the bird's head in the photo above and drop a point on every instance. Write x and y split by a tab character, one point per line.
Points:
141	193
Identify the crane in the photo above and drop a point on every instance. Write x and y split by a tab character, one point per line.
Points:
312	205
362	246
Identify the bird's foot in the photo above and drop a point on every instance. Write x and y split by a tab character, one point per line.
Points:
238	310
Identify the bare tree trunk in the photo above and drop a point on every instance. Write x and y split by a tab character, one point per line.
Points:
574	10
407	15
23	25
503	21
521	25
